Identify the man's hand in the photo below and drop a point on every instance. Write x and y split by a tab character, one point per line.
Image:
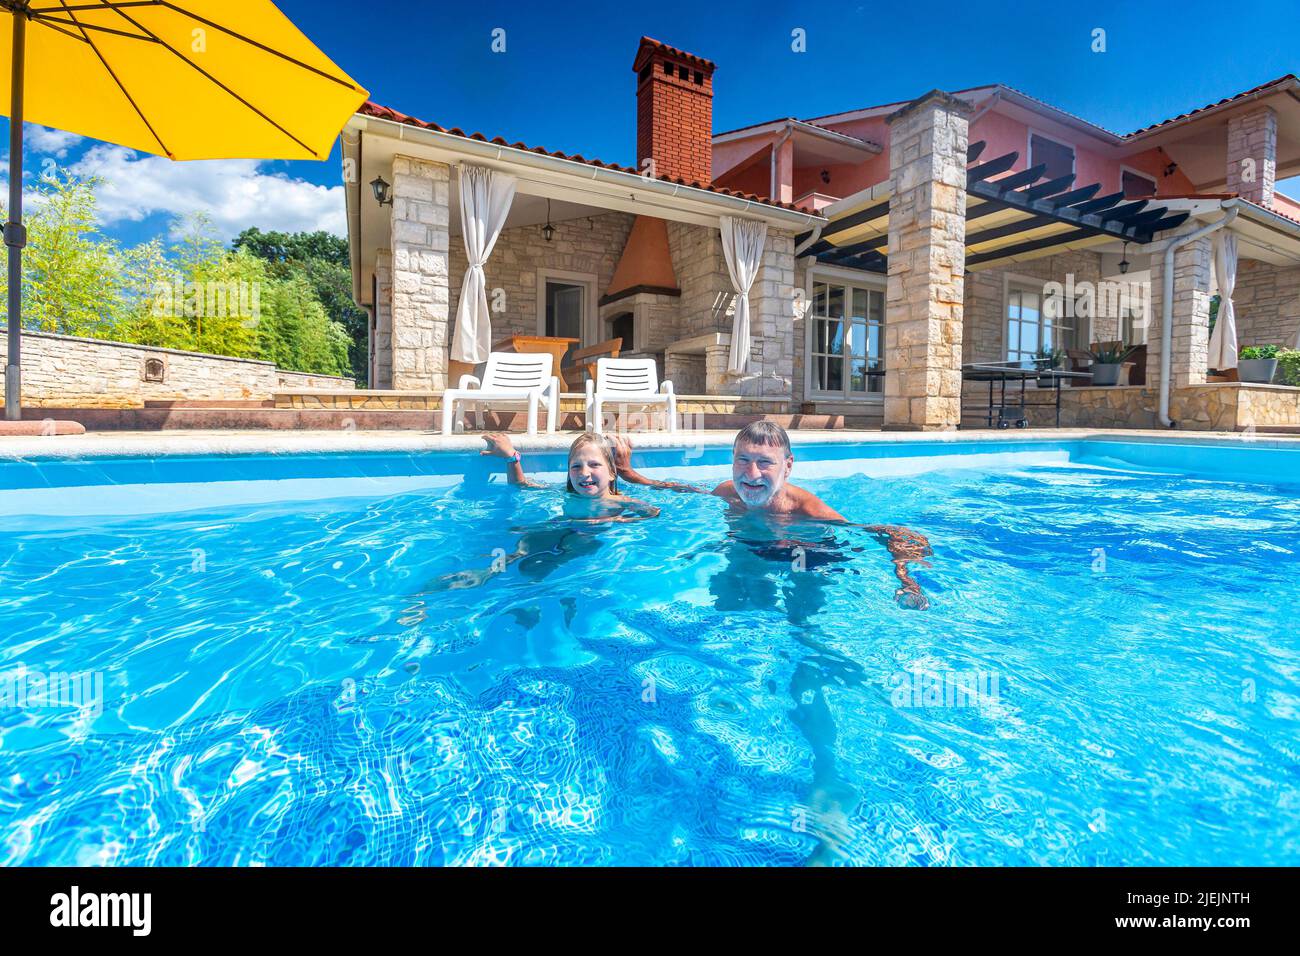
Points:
498	446
622	453
906	547
623	466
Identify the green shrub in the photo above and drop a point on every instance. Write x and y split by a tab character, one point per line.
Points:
1254	352
1288	367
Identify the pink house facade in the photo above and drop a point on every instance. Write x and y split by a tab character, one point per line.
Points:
903	242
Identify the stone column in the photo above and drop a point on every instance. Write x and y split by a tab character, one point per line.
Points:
927	263
420	274
1191	314
383	319
771	322
1252	155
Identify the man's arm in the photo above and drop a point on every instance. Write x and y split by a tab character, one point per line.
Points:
623	465
904	545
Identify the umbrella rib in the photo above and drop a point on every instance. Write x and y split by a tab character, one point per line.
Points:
261	46
66	33
47	19
184	59
129	98
98	6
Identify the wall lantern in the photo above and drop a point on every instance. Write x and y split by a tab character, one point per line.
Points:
548	231
383	191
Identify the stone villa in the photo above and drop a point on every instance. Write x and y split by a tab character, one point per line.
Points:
903	240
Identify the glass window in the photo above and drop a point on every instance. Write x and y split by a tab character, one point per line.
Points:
847	343
1031	326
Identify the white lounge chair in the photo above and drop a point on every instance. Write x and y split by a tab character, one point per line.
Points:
510	379
628	382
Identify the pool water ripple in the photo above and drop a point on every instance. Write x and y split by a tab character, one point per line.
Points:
303	683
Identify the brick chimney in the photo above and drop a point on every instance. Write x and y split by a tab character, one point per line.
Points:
674	112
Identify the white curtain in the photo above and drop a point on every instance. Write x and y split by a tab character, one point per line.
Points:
1223	341
485	198
742	244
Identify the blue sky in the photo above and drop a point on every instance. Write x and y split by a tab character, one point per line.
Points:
565	79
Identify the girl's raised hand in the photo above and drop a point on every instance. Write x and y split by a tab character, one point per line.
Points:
498	446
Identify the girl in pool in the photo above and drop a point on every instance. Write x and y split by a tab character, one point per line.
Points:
592	483
592	498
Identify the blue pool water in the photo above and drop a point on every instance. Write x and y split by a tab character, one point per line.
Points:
286	678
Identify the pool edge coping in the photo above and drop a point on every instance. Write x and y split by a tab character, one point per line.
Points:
101	445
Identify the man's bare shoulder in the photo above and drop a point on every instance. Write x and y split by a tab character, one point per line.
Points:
809	505
726	490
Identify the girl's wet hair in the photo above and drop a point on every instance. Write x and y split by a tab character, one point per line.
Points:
607	451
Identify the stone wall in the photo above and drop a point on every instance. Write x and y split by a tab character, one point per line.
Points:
984	334
62	371
1227	406
1266	300
590	246
702	277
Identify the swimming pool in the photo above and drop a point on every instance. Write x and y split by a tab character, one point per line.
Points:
274	667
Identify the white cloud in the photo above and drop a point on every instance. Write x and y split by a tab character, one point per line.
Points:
235	193
42	141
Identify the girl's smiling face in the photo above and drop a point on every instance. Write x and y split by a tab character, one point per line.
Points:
589	471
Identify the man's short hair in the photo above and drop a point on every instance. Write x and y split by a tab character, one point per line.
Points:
764	433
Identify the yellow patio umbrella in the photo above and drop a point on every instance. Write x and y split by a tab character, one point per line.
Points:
190	79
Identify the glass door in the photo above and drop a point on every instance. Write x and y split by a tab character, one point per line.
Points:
847	352
564	307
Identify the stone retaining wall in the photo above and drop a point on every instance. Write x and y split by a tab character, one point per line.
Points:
1220	406
63	371
1266	300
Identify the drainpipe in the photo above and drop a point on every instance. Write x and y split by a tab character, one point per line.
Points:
776	152
1167	308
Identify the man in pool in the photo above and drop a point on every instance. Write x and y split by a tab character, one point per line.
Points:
761	463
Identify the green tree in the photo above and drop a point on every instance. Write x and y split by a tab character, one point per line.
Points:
74	280
322	258
295	332
271	296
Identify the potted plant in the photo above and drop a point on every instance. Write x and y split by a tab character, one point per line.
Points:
1107	361
1048	359
1257	364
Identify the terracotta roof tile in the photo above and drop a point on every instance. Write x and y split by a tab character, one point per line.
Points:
1122	136
370	108
1210	106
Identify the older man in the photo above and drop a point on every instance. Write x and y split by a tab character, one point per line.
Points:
761	462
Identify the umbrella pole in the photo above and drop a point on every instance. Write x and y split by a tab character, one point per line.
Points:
15	234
